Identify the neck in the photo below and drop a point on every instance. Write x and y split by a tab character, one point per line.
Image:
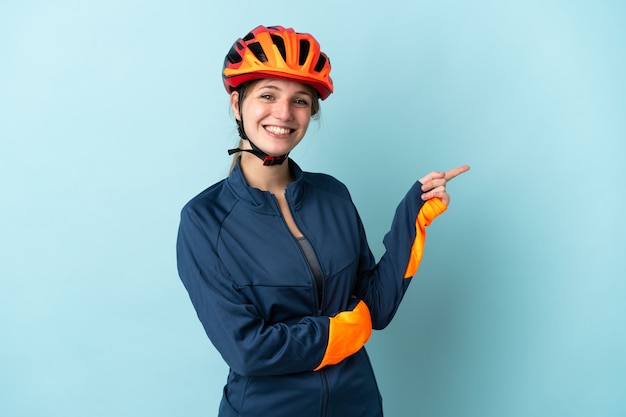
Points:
267	178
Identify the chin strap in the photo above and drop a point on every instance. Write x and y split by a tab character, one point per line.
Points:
267	159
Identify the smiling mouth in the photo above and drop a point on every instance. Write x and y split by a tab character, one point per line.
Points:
278	130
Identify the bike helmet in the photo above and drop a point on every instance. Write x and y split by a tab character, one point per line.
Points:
278	52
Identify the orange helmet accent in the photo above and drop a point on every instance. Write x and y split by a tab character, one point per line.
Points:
278	52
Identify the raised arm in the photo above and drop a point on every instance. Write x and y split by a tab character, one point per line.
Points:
382	285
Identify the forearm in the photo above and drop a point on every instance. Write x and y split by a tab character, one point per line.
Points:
382	286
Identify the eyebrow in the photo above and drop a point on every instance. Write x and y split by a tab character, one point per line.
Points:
273	87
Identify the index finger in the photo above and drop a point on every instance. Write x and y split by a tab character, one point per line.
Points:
456	171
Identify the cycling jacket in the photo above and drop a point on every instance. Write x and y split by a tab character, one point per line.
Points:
294	343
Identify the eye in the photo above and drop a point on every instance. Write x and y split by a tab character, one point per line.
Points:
301	102
267	96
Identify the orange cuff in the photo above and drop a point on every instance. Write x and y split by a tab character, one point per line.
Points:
431	209
348	332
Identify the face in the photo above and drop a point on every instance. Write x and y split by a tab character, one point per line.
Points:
276	114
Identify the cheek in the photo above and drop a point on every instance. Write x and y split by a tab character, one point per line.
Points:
251	114
306	124
305	119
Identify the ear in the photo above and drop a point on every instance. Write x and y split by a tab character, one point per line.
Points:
234	104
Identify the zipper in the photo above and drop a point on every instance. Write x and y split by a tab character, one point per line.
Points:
310	256
317	277
324	392
316	270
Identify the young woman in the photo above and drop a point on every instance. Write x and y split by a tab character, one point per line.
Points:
275	259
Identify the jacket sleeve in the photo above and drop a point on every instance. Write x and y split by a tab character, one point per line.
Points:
382	286
248	344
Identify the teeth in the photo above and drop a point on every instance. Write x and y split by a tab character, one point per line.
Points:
278	130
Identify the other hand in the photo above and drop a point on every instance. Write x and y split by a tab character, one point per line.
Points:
434	184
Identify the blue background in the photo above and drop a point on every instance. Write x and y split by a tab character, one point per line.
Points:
113	115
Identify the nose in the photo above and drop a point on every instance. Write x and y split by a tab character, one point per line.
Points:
282	109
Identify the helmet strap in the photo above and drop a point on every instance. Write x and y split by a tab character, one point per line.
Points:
267	159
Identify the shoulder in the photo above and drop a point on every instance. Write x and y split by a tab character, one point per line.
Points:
325	183
212	203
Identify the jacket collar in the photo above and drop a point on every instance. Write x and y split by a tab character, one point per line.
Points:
262	200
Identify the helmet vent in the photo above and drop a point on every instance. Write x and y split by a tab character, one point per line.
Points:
233	56
280	44
305	46
249	37
320	63
257	50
